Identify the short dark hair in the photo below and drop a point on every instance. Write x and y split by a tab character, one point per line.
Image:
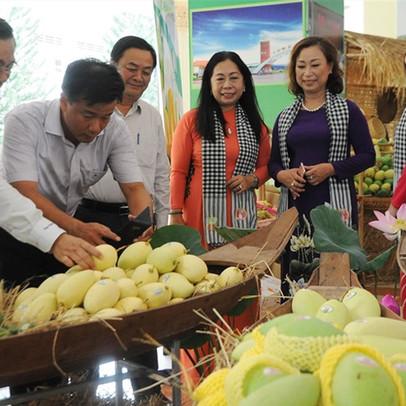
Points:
131	42
92	81
6	32
207	103
335	82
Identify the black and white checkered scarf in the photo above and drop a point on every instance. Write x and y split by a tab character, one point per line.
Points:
337	119
243	207
399	152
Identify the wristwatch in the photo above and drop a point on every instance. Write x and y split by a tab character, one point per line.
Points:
256	180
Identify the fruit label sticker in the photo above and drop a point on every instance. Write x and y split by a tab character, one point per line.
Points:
303	317
270	371
400	366
102	282
366	361
326	309
350	295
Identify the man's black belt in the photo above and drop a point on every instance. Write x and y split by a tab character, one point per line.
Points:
118	208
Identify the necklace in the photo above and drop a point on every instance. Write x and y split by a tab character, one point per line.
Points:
313	110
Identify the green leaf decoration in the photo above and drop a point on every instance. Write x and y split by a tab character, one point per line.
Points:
332	235
231	234
380	260
188	236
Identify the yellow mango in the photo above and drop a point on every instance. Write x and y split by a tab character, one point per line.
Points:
101	295
134	255
51	284
72	291
108	259
130	304
381	326
41	309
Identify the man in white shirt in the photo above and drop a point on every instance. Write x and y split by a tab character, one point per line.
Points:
135	60
18	215
54	150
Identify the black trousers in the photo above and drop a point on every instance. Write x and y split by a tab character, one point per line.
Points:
115	220
20	262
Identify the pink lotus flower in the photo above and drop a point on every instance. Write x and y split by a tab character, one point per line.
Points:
392	227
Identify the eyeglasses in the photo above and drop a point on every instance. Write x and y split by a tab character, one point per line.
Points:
6	68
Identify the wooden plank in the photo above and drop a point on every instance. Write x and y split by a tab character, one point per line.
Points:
334	269
264	245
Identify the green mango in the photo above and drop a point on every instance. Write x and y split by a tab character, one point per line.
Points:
241	348
387	159
360	380
382	193
307	326
400	368
251	373
276	322
335	312
291	390
307	301
260	376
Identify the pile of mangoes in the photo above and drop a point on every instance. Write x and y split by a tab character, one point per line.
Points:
378	179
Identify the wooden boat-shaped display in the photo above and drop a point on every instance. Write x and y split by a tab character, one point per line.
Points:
332	279
43	354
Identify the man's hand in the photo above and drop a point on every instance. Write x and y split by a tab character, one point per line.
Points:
93	232
72	250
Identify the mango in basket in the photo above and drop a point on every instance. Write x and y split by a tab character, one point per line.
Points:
155	294
276	322
399	363
50	284
387	346
101	295
245	345
163	258
41	309
145	273
307	302
179	285
192	267
251	373
382	326
230	276
72	291
306	326
335	312
291	390
108	259
134	255
356	374
130	304
361	303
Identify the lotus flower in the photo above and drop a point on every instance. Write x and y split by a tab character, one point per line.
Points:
392	227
